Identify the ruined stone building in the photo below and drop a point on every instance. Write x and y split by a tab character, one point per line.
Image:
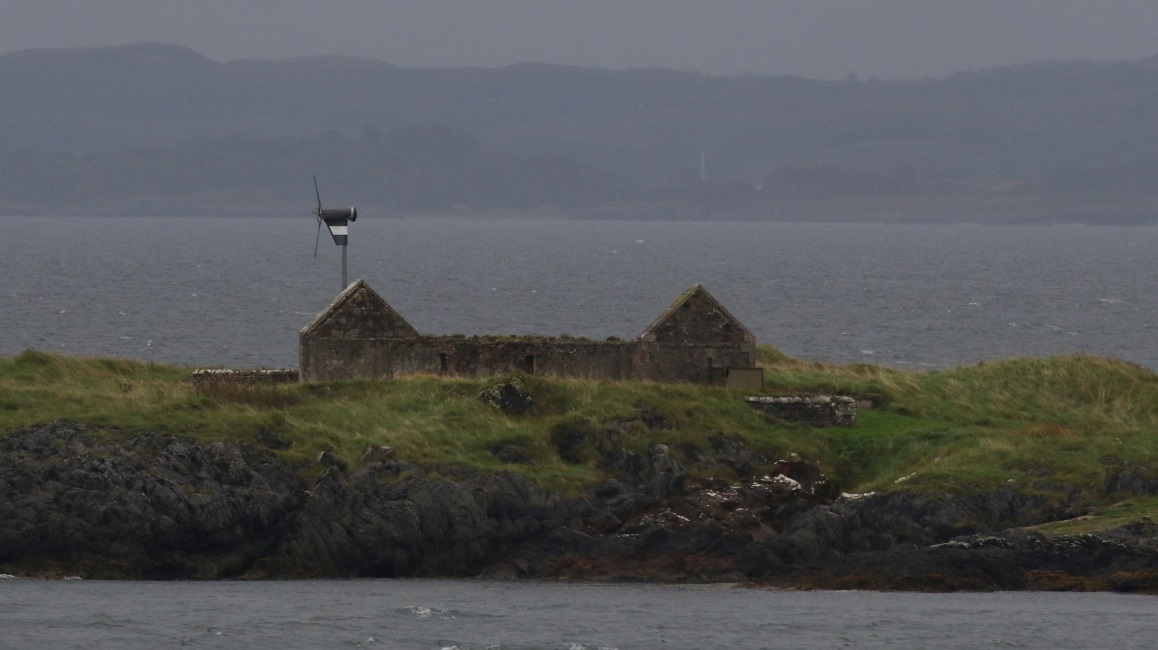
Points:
694	340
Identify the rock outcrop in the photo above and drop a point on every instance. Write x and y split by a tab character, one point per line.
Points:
84	501
146	506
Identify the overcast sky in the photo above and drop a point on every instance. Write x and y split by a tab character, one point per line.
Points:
890	39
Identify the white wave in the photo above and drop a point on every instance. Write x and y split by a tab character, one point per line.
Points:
426	612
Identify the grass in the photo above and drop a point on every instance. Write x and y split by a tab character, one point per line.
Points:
1049	424
1105	516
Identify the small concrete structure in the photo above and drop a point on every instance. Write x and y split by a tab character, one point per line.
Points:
694	340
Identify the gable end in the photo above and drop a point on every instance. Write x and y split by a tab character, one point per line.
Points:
359	313
697	318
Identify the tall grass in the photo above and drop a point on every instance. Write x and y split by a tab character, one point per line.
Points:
1059	422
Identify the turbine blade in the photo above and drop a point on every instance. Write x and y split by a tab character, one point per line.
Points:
316	237
319	195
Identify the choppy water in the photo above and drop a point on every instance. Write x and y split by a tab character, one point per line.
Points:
235	291
441	614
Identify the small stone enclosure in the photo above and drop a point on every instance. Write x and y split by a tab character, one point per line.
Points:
694	340
819	411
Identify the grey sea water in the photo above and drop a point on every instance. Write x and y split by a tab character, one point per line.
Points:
468	615
234	291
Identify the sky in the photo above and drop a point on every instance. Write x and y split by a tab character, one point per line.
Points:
824	39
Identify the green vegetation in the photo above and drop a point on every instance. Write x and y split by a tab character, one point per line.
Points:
1051	426
1139	511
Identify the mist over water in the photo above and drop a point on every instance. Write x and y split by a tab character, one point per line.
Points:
235	291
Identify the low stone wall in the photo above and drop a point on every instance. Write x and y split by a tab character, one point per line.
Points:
254	376
819	411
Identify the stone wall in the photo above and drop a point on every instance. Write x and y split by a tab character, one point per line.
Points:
255	376
480	356
325	359
330	359
820	411
694	340
698	364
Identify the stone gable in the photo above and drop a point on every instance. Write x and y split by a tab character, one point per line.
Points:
697	318
359	313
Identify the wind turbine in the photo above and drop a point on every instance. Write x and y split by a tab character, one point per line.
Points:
337	221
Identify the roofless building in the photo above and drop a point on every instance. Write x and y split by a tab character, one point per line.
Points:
694	340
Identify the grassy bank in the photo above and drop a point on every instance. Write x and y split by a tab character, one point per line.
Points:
1046	425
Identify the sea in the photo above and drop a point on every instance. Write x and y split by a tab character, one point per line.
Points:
234	291
230	291
470	615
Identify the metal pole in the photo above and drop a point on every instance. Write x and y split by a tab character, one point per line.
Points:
344	283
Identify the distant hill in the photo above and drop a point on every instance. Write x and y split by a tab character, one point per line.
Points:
1045	141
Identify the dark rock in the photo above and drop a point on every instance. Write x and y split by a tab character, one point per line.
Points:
509	397
329	460
151	507
656	474
512	454
159	506
652	418
272	439
911	519
376	452
572	439
1128	478
455	524
732	453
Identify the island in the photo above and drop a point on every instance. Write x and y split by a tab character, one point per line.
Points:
1030	473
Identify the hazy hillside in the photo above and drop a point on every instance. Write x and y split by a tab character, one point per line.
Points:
418	168
1044	141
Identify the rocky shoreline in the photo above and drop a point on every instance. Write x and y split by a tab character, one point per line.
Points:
76	500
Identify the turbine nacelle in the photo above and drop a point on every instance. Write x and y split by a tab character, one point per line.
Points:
337	221
339	214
